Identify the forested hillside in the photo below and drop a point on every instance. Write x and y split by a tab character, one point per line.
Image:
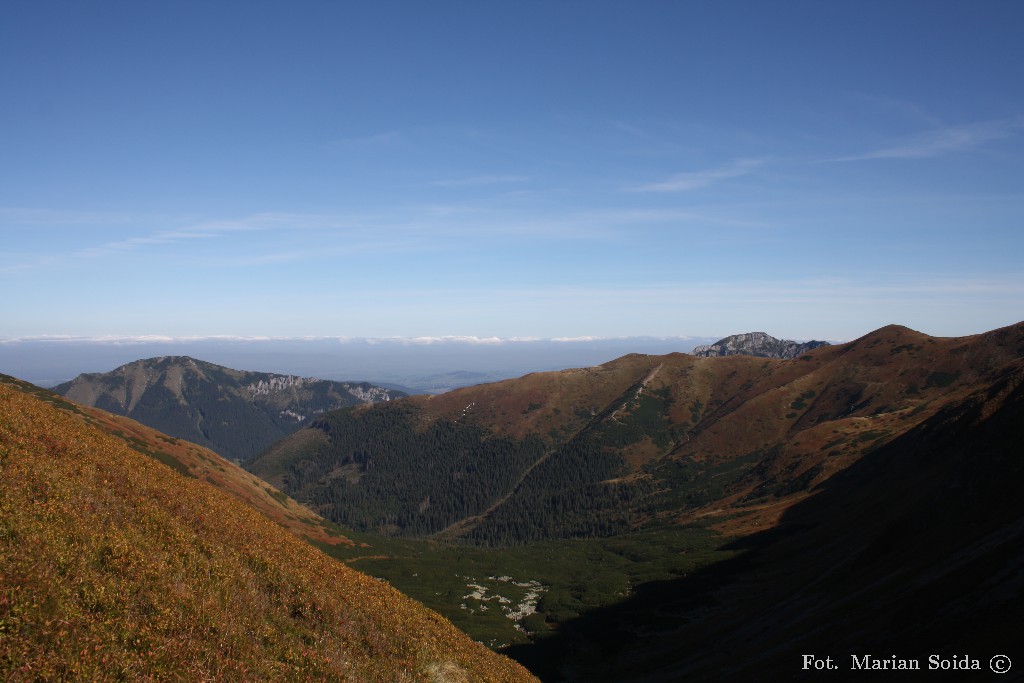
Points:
640	440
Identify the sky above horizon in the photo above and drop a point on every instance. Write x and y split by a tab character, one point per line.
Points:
528	169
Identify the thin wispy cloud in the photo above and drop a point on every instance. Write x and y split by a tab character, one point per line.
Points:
634	217
27	260
15	217
630	129
384	138
479	180
162	237
945	140
267	222
694	180
887	105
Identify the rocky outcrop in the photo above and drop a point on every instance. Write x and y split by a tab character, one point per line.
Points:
756	344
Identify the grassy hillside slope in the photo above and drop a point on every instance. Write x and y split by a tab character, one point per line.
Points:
114	567
197	462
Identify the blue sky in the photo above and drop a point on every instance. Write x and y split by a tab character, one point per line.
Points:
517	169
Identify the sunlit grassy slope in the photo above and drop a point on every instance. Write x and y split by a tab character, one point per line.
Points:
193	460
115	567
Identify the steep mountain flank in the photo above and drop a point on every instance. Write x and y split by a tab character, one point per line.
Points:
196	462
639	440
114	567
756	344
235	413
914	552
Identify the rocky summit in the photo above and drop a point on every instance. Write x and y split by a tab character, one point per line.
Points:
756	344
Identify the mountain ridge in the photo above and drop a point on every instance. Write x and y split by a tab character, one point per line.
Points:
233	412
644	438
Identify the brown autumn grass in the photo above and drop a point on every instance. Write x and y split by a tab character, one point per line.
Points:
199	462
114	567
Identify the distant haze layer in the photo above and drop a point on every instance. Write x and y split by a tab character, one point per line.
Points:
426	365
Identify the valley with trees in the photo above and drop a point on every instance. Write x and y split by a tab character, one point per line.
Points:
433	342
584	521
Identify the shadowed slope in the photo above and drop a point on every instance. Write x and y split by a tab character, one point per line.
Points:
917	549
114	567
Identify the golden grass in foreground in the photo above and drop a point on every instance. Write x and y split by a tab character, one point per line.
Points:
114	567
196	461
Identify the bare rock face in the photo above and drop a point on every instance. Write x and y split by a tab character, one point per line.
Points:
756	344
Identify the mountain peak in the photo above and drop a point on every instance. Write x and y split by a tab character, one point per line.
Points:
164	360
233	412
756	344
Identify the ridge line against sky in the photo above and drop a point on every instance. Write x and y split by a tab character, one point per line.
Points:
537	170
